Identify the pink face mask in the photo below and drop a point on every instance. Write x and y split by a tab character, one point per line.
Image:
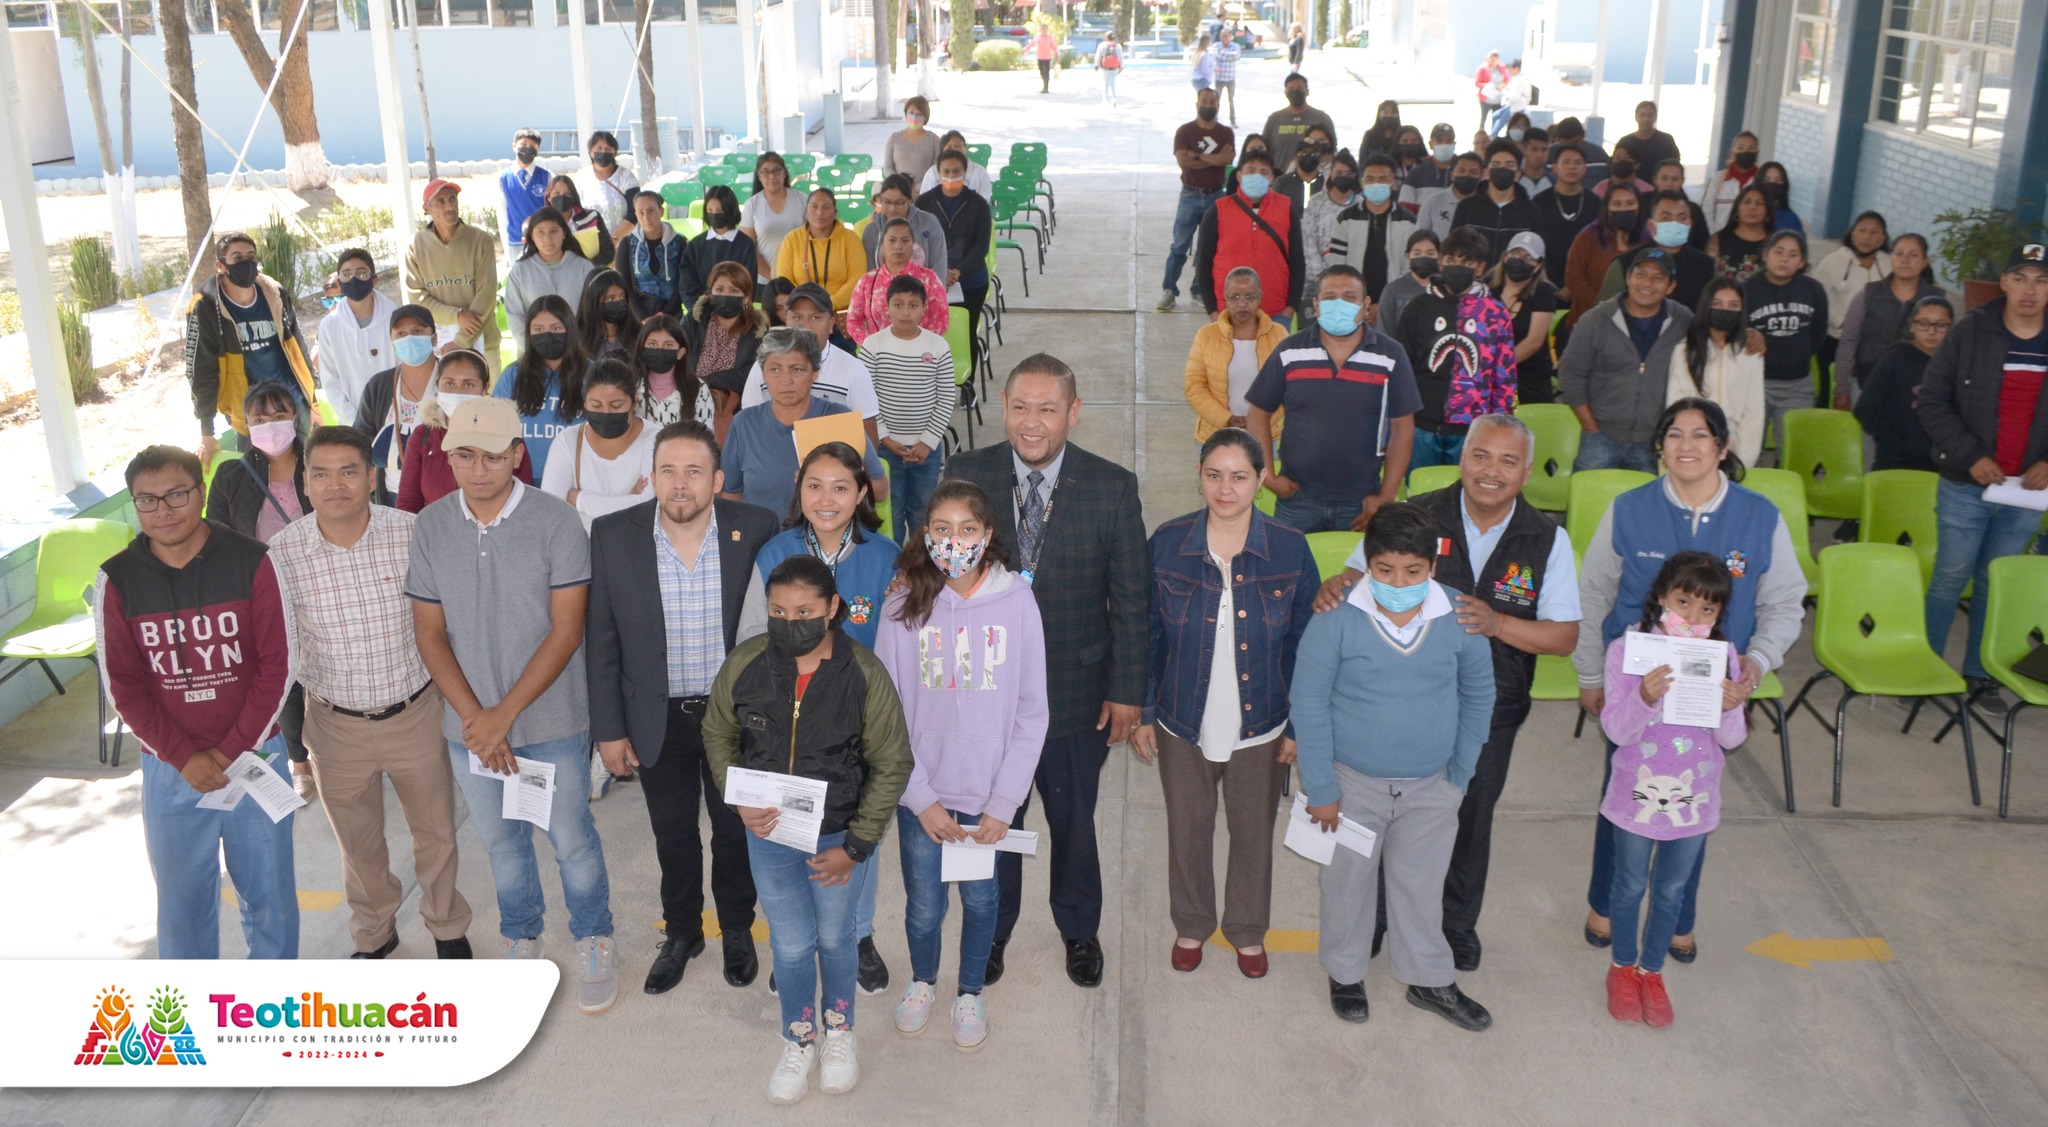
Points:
1678	627
273	438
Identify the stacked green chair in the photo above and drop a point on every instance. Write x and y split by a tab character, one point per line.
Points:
856	163
740	162
1017	185
1031	156
832	176
1898	508
853	209
1592	492
980	153
1557	433
1825	448
680	194
1006	220
60	624
2016	610
1870	632
1429	479
800	165
1787	490
723	174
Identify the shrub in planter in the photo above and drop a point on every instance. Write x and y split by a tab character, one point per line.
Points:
998	55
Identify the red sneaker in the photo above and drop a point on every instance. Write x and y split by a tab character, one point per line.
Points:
1624	997
1656	1003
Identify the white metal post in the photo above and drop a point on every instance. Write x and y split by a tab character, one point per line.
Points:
32	279
1660	43
1599	62
692	15
579	75
391	115
750	73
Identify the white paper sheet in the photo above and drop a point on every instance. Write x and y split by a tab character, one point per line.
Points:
1355	837
2011	492
476	767
1307	838
226	798
252	773
1641	653
800	800
529	795
1698	666
966	861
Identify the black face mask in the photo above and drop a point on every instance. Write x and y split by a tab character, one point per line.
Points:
1502	178
716	220
1745	160
244	273
1726	320
1456	279
1410	151
604	159
796	637
1345	184
1297	98
1520	269
727	304
608	424
1465	185
659	359
1623	220
613	312
1308	164
356	289
526	153
548	346
1422	267
1206	113
1623	170
563	206
1776	192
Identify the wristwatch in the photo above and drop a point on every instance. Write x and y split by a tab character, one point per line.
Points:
857	849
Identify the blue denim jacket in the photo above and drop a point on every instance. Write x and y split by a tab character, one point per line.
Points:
1274	590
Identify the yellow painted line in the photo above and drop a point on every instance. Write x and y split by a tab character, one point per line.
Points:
712	931
1806	952
1291	942
310	900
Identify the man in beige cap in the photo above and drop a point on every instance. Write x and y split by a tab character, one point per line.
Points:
452	269
499	579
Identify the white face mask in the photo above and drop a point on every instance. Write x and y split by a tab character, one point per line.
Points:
450	400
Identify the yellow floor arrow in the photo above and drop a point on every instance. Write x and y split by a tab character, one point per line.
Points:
1806	952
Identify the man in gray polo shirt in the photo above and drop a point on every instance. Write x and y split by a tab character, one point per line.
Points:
499	580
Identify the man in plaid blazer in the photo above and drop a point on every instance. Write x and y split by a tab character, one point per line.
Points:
1089	569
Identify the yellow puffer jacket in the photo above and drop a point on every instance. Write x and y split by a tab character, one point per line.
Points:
1208	374
213	351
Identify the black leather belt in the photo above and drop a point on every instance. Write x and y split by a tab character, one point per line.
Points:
688	704
382	713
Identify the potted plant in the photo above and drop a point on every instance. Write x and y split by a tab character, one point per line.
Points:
1974	244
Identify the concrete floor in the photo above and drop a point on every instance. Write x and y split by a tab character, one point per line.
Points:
1942	1034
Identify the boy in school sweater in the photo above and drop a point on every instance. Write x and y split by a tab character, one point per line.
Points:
1360	669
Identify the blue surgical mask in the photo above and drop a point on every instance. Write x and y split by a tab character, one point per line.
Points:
1398	600
1338	317
1254	184
1377	194
413	350
1671	234
1444	153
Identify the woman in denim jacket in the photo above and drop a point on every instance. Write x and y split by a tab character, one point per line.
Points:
1222	655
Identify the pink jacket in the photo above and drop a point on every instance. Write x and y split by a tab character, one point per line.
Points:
868	311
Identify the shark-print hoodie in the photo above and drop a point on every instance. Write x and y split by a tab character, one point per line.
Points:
972	679
1664	780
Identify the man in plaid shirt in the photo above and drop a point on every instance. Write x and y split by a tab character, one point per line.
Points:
1227	54
371	708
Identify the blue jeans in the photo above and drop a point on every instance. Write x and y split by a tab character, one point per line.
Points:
1665	878
1309	514
1186	219
184	845
810	930
864	882
909	486
1973	533
926	900
1600	889
1599	452
1433	449
1109	83
578	853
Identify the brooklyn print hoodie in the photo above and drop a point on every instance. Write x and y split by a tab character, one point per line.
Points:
196	657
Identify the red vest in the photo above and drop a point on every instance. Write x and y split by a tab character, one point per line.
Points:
1240	242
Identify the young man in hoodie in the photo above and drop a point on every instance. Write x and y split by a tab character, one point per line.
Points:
1614	372
239	331
651	259
452	269
1502	209
1461	341
195	647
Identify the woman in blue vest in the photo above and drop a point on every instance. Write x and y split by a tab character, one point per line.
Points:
1695	506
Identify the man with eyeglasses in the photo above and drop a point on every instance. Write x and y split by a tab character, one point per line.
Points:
499	581
355	336
195	649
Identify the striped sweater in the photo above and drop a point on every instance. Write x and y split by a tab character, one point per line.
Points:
914	384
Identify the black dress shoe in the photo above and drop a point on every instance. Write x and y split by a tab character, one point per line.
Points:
390	945
1464	948
667	970
1452	1004
995	963
456	948
1084	962
1349	1001
873	977
740	964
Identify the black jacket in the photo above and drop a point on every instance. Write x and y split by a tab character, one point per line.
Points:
967	233
1958	402
1886	410
241	490
1500	222
1514	577
731	379
625	642
704	252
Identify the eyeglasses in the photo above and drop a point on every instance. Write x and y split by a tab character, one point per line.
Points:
176	498
1241	298
355	275
465	459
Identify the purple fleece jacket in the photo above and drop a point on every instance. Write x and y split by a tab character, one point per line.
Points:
1664	781
972	679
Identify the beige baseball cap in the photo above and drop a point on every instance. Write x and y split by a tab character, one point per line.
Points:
486	423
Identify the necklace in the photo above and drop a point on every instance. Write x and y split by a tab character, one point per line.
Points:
1571	216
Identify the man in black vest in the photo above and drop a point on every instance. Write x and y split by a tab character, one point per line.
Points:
1525	597
672	590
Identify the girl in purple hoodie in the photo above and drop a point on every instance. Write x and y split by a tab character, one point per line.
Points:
1664	783
961	637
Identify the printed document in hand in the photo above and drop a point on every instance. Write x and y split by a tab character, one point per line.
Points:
1698	666
529	795
1309	840
1643	652
226	798
2011	492
971	860
250	773
801	802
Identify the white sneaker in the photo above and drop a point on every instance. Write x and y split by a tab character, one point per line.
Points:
791	1080
1168	303
600	778
839	1067
597	964
519	948
916	1007
970	1022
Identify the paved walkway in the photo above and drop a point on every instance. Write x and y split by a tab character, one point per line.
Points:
1946	1033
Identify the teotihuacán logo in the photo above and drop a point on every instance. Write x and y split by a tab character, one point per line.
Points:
118	1036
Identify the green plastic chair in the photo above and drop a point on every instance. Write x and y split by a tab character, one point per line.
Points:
1006	220
1898	508
857	163
743	162
834	177
60	625
1870	632
1557	433
1825	448
687	229
1429	479
1770	696
2016	609
1331	549
1265	501
853	209
962	346
800	164
680	194
719	174
1592	491
223	457
1787	490
980	153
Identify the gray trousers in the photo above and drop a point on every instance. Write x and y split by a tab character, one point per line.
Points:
1781	396
1417	824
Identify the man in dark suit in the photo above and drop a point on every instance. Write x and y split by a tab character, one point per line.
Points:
672	590
1072	522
